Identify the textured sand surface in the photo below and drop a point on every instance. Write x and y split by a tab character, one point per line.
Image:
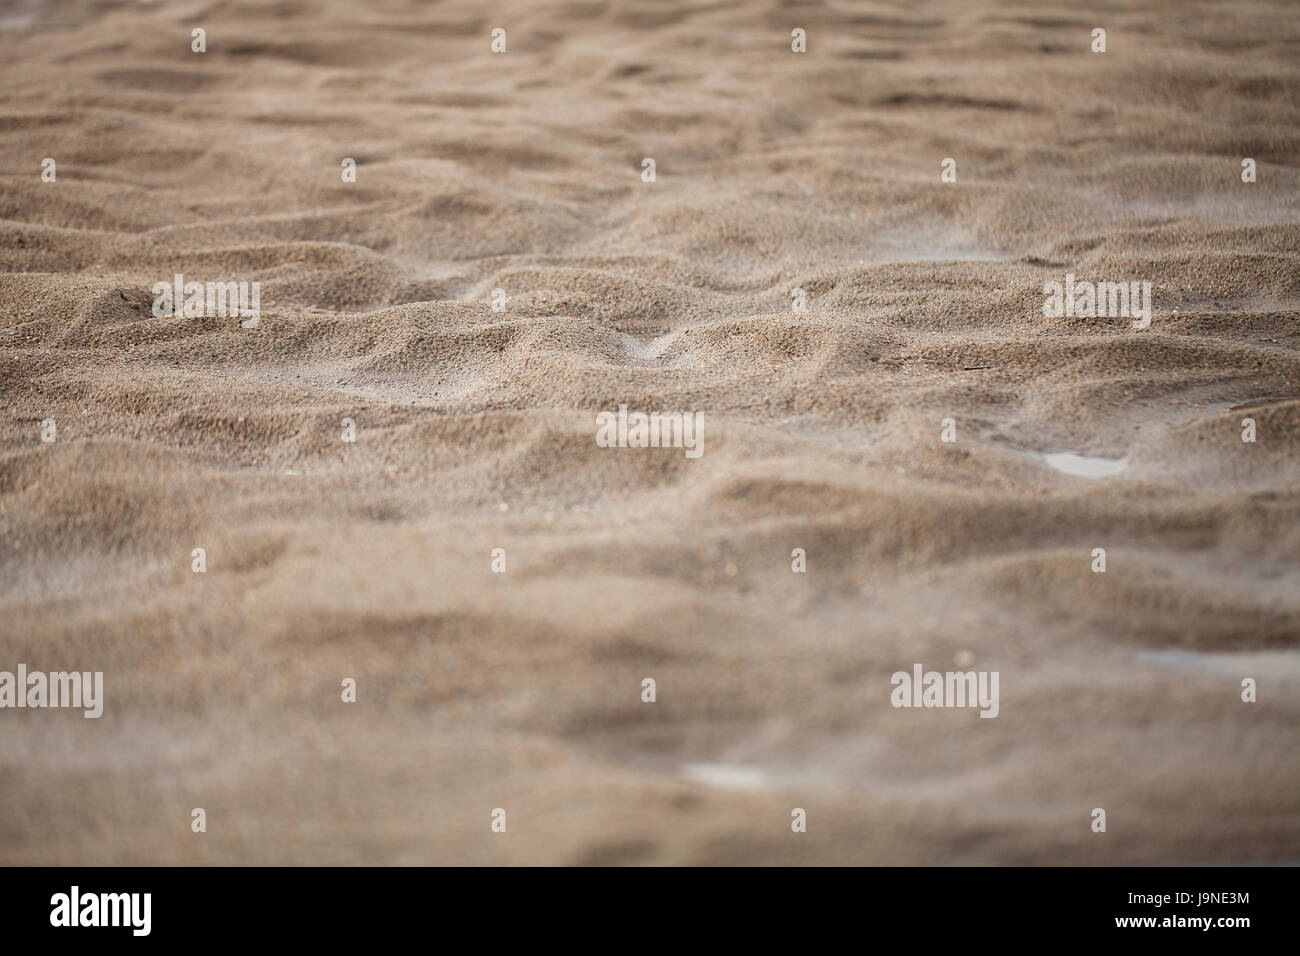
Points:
822	431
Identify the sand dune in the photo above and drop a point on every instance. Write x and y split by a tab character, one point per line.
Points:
522	172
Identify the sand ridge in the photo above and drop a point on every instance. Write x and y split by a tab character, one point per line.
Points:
475	430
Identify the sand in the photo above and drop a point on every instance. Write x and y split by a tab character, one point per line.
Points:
823	431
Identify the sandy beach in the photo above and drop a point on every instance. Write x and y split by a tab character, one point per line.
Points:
392	475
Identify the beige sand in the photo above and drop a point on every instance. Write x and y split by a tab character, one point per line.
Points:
475	431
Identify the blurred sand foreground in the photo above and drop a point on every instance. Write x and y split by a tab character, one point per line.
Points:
821	430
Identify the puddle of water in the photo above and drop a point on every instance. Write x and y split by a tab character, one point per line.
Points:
725	776
1277	665
1085	466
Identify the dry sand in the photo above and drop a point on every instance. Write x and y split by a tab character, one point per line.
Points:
475	430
